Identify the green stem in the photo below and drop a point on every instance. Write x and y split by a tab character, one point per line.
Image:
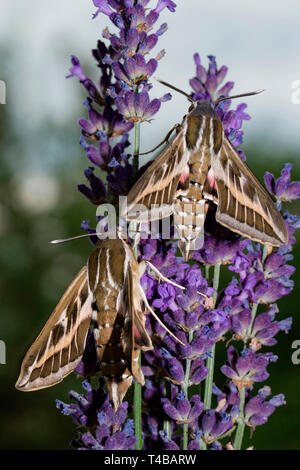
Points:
255	306
137	387
241	423
138	413
202	445
265	253
253	315
167	428
167	423
185	388
216	282
136	149
207	269
211	360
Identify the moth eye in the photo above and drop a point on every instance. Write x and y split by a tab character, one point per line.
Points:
191	107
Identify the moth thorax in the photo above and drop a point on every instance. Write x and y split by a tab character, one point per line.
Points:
204	108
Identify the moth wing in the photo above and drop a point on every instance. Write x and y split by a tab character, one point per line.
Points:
134	336
59	347
244	206
158	185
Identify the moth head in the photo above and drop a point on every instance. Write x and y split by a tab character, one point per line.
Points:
200	103
206	103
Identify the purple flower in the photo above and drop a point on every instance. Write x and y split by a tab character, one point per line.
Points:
134	70
206	82
161	4
240	324
214	425
103	7
116	101
110	122
119	181
247	368
92	410
228	400
198	372
184	411
275	266
217	251
265	328
76	71
272	290
106	156
283	188
263	283
138	107
168	444
167	298
258	410
96	193
207	86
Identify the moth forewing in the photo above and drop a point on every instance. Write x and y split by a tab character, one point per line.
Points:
158	184
59	347
244	206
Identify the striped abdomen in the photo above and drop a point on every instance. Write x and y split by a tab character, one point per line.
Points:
190	206
107	268
113	363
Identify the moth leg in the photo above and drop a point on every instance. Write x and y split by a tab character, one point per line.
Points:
162	277
176	127
165	279
142	268
156	317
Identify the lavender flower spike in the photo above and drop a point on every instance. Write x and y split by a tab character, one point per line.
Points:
178	408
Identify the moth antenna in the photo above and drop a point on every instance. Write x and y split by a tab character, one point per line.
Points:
251	93
176	89
56	242
65	240
157	318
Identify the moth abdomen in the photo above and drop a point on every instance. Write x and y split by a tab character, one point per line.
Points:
114	365
189	217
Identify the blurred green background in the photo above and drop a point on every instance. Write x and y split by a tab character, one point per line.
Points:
41	164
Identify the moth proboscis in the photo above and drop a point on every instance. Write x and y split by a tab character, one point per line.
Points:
198	168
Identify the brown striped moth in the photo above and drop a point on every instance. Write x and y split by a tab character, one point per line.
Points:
198	168
108	291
